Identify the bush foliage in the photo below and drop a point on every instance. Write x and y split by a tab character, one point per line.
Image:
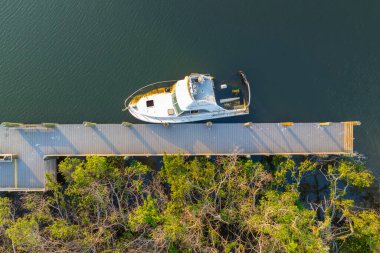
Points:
196	204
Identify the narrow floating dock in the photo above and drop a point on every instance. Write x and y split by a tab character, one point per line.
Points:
28	152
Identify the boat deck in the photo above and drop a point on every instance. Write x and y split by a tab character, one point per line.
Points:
234	93
35	149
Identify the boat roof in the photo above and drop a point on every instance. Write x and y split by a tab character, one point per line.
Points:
183	95
202	87
161	103
195	92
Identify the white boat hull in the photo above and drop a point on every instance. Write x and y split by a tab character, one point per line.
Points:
193	98
189	118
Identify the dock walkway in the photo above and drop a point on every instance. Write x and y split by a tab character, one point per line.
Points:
30	152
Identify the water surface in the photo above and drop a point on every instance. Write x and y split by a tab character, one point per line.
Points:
70	61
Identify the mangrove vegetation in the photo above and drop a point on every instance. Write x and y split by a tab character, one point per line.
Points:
196	204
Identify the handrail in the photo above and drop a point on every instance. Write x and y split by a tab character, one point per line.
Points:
244	78
144	87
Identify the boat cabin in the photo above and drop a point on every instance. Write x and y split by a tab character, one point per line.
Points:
196	97
193	94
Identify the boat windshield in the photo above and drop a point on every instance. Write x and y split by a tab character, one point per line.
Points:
177	109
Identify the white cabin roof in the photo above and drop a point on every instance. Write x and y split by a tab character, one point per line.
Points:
162	102
196	92
184	98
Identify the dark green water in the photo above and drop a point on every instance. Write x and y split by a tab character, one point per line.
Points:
70	61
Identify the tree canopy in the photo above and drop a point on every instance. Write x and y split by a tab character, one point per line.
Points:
226	204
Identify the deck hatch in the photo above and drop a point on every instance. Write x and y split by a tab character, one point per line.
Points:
171	111
149	103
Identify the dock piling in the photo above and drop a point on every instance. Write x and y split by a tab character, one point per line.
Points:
89	124
11	124
126	124
49	125
287	124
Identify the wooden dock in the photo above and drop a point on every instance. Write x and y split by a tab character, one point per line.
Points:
27	153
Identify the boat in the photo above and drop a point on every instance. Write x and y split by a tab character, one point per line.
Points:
196	97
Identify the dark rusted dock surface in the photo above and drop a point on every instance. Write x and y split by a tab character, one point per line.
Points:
27	153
